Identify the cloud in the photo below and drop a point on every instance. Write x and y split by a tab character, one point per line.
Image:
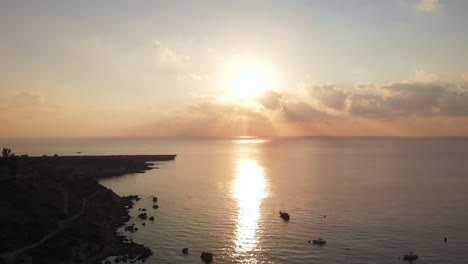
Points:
396	99
292	111
165	56
419	99
405	99
218	111
195	77
270	99
422	76
454	104
301	112
328	95
426	97
211	118
25	100
366	105
465	77
430	6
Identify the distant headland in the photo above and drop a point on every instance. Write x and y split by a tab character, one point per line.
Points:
53	210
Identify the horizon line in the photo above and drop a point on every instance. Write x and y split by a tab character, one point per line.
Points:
225	137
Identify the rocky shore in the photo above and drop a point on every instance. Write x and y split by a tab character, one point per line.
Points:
53	210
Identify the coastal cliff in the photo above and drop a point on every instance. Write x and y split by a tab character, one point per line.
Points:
53	210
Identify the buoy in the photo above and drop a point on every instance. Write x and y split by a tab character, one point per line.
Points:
445	239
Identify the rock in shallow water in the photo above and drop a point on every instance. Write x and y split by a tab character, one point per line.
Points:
129	228
143	216
206	256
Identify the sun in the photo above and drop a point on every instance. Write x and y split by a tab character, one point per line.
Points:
248	84
246	77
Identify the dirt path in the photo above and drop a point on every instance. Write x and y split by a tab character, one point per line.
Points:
9	257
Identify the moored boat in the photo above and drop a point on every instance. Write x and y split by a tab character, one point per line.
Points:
410	256
284	215
319	241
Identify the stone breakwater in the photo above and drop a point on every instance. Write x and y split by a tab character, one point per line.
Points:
53	210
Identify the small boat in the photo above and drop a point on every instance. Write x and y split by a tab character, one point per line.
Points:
319	241
410	256
284	215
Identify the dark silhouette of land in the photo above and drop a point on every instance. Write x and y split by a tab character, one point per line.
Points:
53	210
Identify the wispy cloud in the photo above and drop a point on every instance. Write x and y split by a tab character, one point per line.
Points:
465	77
190	76
166	56
430	6
424	77
25	100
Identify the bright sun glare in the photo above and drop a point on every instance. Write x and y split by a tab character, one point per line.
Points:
248	84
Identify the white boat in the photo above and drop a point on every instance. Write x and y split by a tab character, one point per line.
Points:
319	241
410	256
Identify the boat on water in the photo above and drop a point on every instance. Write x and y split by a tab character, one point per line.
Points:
319	241
410	256
284	215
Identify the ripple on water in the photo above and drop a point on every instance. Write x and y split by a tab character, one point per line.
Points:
376	209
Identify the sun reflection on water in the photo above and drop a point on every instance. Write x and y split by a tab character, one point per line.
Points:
249	189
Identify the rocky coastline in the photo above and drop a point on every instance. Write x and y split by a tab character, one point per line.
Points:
53	210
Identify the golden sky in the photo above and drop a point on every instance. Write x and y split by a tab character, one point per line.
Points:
219	68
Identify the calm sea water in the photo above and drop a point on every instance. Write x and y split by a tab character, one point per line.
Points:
382	197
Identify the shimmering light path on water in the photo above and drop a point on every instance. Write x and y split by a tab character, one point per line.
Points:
249	188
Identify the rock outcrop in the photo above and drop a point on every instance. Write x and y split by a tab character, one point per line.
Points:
206	256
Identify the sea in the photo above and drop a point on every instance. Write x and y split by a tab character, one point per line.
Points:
373	199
